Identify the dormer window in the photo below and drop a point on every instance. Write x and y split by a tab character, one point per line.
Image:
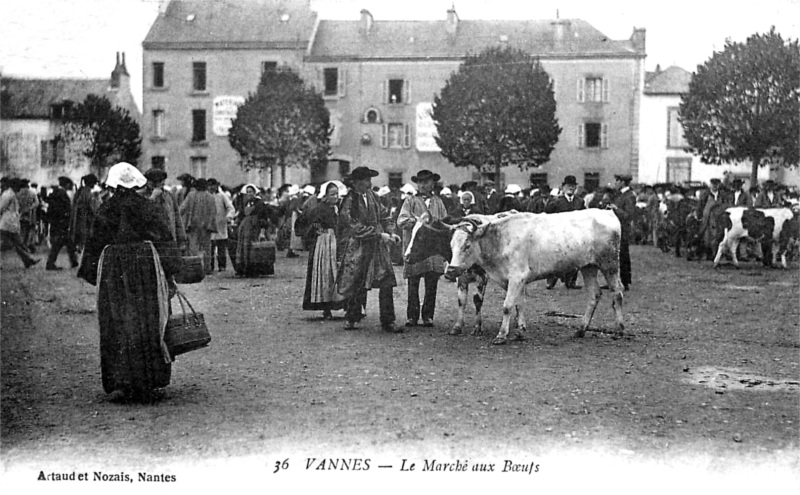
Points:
57	112
372	116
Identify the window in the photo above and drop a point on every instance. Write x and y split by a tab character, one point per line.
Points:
158	74
593	89
679	170
198	125
396	136
395	180
591	181
158	123
199	76
199	166
58	111
538	180
158	162
675	137
331	81
53	153
372	116
396	91
268	66
593	135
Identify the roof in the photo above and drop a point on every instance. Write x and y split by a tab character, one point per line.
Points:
227	24
430	39
31	98
671	81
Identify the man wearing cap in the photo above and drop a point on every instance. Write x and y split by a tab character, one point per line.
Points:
740	195
366	263
624	206
168	205
431	268
492	198
59	212
199	213
769	197
566	201
224	212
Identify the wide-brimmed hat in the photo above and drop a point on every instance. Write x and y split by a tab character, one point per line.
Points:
185	177
155	175
737	182
124	174
425	175
468	185
715	181
64	181
626	178
769	183
361	173
212	182
200	184
570	180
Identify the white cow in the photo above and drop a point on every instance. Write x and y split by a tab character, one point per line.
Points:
759	224
521	248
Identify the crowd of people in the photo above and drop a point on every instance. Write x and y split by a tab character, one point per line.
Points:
354	232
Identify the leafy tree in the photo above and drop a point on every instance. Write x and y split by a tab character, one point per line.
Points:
744	103
104	133
497	110
283	124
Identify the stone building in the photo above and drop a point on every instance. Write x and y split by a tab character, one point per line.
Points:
31	113
378	79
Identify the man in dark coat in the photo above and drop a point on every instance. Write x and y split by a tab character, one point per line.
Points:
84	207
199	214
712	202
366	263
624	205
566	201
59	212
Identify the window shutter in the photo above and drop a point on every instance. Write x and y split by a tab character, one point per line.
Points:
406	92
45	151
384	135
407	135
580	136
342	80
581	84
605	90
604	136
385	90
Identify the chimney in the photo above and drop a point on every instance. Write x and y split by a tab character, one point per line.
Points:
162	6
658	68
119	71
366	22
562	30
638	39
452	21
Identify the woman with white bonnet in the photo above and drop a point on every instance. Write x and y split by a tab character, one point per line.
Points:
131	257
323	220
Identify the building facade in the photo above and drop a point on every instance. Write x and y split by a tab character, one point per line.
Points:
378	79
31	114
664	157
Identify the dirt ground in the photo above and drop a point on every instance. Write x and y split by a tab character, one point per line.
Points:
706	381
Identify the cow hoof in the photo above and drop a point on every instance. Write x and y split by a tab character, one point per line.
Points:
455	331
499	341
477	330
579	334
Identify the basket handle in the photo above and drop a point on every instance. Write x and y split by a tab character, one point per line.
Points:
181	298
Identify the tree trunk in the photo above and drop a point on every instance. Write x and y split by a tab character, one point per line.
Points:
754	170
283	172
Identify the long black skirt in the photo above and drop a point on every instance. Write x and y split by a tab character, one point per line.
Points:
132	308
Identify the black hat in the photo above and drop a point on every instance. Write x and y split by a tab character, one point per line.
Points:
200	184
212	182
185	177
64	181
468	185
425	175
90	180
715	181
570	180
737	182
361	173
155	175
769	183
626	178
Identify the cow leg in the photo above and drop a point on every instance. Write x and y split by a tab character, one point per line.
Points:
615	284
463	293
522	327
720	249
593	289
481	280
734	249
513	292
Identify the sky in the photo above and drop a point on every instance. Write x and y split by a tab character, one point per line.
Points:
79	38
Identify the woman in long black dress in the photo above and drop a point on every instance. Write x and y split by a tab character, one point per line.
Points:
131	256
323	218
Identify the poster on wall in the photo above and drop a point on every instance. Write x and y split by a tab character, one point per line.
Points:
426	129
225	108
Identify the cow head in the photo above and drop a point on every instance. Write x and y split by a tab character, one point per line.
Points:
428	238
463	246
